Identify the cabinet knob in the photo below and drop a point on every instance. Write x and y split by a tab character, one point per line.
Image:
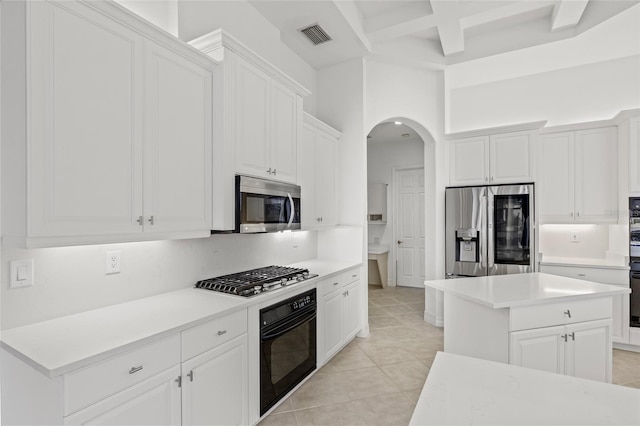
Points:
335	283
578	214
571	214
139	220
399	242
486	179
568	313
221	332
151	220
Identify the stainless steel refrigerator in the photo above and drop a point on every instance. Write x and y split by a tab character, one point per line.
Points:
489	230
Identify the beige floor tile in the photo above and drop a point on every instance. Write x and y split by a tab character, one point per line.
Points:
383	355
321	389
366	383
635	384
384	321
413	395
375	310
408	375
350	358
281	419
284	407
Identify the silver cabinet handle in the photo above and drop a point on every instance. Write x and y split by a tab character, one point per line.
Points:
190	376
568	313
347	293
577	213
564	337
139	220
269	171
573	336
135	369
582	275
335	283
221	332
399	242
486	179
151	220
354	275
274	172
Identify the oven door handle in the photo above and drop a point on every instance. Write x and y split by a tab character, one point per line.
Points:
288	326
635	275
293	211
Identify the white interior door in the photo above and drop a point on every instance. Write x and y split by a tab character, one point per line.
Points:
410	227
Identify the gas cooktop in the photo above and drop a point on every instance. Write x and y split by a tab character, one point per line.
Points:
256	281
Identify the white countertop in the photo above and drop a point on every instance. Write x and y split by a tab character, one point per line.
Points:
463	391
67	343
503	291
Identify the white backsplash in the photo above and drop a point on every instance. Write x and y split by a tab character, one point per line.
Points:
594	241
72	279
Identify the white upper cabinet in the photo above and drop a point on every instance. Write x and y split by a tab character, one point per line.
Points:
317	176
258	121
578	176
631	128
106	137
492	159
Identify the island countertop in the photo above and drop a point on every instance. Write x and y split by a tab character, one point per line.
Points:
504	291
462	391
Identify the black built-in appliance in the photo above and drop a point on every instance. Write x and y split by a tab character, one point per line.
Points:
287	346
634	261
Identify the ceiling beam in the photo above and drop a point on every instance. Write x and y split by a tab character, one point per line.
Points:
504	12
449	26
403	28
349	10
567	14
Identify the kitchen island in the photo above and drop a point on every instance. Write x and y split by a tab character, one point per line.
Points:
461	390
536	320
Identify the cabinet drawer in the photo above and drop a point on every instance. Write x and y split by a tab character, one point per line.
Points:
207	336
338	281
598	275
528	317
98	381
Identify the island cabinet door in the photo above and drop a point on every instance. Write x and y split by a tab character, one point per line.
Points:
589	350
540	349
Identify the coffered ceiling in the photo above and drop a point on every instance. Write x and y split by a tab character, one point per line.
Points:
431	33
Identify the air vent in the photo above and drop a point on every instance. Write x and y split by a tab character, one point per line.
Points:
316	34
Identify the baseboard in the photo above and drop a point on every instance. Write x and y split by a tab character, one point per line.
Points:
625	347
431	319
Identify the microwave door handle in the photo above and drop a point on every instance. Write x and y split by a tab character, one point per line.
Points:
293	211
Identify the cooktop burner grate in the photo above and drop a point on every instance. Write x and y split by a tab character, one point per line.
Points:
255	281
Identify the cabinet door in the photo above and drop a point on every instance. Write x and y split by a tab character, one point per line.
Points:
351	322
327	179
332	323
178	155
307	176
469	161
555	177
510	158
285	118
85	147
540	349
252	121
596	176
153	402
634	154
215	384
620	320
589	350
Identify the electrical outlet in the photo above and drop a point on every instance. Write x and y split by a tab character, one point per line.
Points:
21	273
574	237
112	265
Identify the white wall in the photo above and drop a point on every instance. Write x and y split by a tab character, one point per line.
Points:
590	77
163	13
417	97
71	279
245	23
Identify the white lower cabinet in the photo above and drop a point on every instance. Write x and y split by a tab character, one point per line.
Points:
339	311
214	388
581	350
153	402
619	277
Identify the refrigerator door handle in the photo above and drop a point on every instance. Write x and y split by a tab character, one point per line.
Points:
490	231
483	227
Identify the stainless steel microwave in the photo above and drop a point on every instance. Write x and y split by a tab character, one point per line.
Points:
266	206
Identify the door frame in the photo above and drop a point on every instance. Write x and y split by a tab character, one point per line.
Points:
393	266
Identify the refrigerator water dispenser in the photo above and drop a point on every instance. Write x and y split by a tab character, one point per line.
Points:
467	244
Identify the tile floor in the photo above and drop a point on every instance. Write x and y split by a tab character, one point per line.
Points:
377	381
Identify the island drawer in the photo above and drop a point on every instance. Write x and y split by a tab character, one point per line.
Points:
560	313
91	384
207	336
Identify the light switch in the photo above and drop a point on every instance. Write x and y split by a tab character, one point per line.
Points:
21	273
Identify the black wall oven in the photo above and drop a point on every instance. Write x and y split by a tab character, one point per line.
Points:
287	346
